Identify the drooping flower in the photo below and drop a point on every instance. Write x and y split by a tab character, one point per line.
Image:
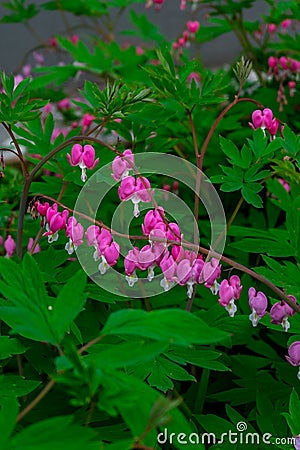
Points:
131	263
9	246
75	232
37	248
135	189
188	272
272	28
105	248
153	220
42	208
173	232
286	23
168	267
193	26
258	303
87	121
294	355
84	157
109	257
147	260
64	104
264	119
210	272
121	165
74	39
91	236
229	292
56	221
281	311
158	4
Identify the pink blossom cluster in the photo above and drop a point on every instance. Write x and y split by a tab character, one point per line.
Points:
105	248
279	312
286	71
270	29
189	34
183	3
53	42
10	246
165	252
283	66
54	220
265	120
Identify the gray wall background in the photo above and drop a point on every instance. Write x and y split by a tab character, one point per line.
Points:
16	40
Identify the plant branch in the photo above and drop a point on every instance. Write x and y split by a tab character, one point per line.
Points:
51	383
36	400
191	246
16	144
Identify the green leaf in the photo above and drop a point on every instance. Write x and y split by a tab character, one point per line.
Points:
249	193
231	186
230	150
293	226
146	29
124	355
55	433
163	371
253	174
197	357
8	413
159	325
68	304
290	142
294	408
268	246
259	143
27	312
9	347
16	386
282	197
284	274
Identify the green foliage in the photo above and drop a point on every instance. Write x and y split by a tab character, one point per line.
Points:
83	368
20	11
16	103
115	100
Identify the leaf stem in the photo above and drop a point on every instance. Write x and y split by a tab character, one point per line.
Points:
201	392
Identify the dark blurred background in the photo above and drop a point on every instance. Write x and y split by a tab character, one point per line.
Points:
16	40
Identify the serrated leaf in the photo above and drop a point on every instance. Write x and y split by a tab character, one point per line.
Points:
253	174
251	196
230	149
290	142
259	143
163	371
